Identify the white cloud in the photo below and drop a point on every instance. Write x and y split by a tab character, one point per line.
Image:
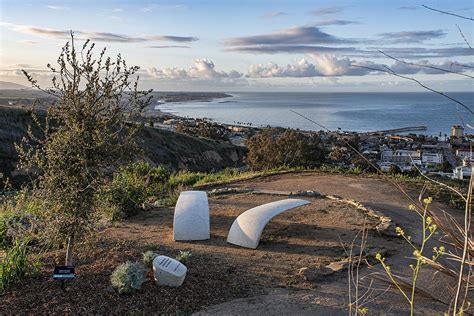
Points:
56	7
92	35
333	66
301	69
202	69
323	66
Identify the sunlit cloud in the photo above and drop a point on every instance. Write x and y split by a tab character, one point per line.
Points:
202	69
274	14
95	36
413	36
327	10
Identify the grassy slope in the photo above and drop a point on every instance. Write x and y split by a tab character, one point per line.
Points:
173	150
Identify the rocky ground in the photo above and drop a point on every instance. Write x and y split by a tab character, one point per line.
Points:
298	267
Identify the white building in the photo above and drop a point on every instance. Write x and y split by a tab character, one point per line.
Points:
432	158
464	153
401	157
462	173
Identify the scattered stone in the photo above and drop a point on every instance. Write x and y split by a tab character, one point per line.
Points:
314	274
386	227
338	265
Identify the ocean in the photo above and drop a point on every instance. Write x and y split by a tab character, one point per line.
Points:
360	112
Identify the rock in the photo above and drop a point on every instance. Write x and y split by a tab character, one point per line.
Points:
387	228
314	274
338	266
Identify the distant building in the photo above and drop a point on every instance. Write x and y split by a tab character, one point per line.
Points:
464	153
457	131
432	158
401	157
462	173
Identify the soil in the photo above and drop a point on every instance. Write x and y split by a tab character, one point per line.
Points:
226	279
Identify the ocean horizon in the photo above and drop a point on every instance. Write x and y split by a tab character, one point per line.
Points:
348	111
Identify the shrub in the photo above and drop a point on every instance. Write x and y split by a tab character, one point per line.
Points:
148	257
16	265
183	256
128	277
185	178
19	218
151	246
275	147
16	226
130	188
86	130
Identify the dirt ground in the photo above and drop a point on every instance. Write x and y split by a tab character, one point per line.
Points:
226	279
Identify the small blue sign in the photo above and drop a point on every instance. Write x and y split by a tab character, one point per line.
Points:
64	273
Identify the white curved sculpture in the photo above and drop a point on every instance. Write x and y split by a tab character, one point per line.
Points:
191	216
247	228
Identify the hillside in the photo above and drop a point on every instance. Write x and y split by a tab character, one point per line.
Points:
11	85
172	150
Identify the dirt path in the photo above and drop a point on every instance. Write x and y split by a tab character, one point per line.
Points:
328	298
225	279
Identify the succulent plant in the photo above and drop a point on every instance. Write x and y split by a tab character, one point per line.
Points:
128	277
183	256
148	257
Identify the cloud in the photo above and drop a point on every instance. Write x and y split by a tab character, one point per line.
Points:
334	22
333	66
117	10
323	66
294	49
270	70
153	7
274	14
407	69
202	69
95	36
57	7
421	52
413	36
408	8
26	42
327	10
168	46
172	38
289	36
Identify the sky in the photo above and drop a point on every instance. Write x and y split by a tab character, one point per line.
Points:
251	45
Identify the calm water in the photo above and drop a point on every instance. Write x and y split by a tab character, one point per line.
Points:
348	111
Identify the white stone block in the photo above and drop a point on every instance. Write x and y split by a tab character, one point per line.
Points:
247	228
168	271
191	216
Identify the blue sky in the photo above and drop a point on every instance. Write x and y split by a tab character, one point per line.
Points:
249	45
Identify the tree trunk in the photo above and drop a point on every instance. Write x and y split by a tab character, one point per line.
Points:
69	250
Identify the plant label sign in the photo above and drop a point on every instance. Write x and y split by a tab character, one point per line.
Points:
64	273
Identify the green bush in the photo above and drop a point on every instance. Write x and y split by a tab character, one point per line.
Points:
185	178
128	277
183	256
19	218
148	257
130	188
275	147
16	265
